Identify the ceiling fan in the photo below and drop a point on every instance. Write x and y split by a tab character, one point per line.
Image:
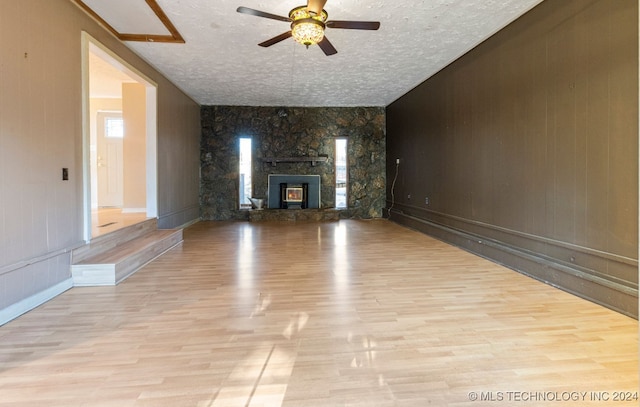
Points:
307	25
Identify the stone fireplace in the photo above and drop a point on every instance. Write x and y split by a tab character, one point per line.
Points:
280	134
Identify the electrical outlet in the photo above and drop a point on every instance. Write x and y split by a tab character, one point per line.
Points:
65	174
426	200
408	196
397	161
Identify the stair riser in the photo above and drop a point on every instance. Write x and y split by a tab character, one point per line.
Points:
93	275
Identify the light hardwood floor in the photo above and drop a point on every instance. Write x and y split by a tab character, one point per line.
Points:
349	313
107	220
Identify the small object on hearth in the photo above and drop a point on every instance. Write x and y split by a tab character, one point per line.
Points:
257	203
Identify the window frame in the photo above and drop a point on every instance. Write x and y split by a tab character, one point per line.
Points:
337	184
242	189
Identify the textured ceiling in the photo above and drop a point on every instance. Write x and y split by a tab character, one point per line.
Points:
221	64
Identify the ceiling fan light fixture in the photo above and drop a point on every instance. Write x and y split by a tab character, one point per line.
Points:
307	29
308	24
307	32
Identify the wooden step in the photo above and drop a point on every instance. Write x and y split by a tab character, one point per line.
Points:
117	263
108	241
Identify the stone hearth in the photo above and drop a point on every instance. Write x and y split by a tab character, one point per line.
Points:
302	215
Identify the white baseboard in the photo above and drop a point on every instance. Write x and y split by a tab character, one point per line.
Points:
26	305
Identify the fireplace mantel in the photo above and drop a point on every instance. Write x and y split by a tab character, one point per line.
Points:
313	160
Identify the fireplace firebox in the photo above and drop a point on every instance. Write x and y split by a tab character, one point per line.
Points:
291	191
294	196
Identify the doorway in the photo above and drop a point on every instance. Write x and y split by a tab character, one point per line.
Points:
109	165
119	148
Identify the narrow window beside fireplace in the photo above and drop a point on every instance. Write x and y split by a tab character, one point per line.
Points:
245	173
341	173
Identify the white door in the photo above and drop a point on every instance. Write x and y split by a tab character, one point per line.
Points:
109	160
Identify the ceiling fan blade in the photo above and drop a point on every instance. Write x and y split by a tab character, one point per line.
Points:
354	25
258	13
327	47
275	39
315	6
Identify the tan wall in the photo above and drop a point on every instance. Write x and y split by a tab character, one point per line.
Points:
41	216
527	148
134	146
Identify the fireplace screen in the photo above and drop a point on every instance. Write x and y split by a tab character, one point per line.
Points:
294	194
291	191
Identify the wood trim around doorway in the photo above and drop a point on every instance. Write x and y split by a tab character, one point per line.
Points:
175	36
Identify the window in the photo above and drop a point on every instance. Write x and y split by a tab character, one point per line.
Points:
245	172
341	173
114	127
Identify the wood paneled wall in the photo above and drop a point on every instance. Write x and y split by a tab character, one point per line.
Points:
527	149
41	132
